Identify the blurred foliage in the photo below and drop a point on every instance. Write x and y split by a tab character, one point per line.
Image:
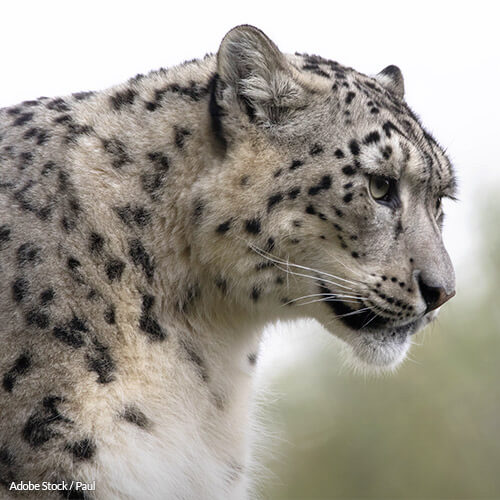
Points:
431	431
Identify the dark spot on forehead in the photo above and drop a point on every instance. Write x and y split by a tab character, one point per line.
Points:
372	138
389	127
338	212
348	170
347	197
349	97
354	147
386	152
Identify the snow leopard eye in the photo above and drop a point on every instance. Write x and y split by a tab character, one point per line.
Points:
379	187
384	190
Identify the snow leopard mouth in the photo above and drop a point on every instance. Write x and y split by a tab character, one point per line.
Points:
366	321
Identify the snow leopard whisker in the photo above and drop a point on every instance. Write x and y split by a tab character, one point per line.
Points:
370	320
264	254
327	300
315	278
348	296
277	261
351	313
327	297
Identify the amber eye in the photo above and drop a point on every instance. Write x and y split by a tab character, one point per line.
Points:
379	187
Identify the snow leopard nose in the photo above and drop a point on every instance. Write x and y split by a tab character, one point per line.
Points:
433	296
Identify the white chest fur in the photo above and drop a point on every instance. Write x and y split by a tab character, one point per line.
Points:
197	445
171	463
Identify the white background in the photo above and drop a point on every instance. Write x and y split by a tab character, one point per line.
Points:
448	52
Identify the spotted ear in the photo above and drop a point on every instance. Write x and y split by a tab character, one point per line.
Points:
258	74
392	79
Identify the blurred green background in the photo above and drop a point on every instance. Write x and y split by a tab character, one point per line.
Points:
432	430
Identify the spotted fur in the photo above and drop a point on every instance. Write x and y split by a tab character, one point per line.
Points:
149	231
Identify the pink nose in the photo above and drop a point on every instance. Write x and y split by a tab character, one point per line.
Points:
434	297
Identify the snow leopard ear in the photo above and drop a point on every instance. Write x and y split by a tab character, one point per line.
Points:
258	74
392	79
